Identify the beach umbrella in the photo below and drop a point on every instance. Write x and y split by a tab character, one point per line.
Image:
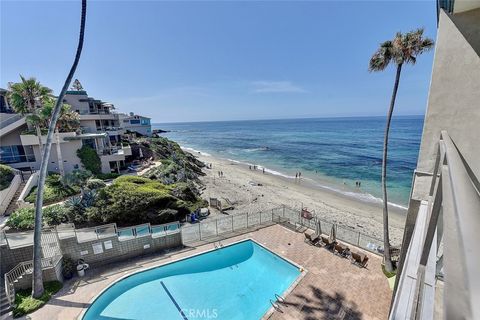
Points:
333	233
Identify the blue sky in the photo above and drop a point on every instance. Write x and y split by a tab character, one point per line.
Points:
198	61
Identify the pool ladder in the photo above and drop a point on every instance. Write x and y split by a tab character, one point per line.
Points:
279	300
219	245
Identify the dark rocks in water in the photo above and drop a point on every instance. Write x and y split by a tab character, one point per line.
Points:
160	131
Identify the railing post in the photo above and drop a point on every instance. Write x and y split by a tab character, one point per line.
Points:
216	226
247	219
232	222
358	240
200	231
260	217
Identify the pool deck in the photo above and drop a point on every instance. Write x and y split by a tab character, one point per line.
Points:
333	288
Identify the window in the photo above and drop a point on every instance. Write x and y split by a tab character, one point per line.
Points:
16	154
89	142
134	121
145	122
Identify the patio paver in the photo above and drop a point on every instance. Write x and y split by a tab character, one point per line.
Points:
333	288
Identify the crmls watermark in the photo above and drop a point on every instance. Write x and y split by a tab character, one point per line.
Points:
200	313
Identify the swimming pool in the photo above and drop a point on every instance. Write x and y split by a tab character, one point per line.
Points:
234	282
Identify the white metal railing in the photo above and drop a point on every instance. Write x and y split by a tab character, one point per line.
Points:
222	227
22	269
448	245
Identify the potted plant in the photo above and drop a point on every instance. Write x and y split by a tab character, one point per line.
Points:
68	268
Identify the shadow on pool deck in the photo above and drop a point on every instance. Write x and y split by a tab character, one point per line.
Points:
320	303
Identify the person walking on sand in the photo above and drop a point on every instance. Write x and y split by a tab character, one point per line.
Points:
249	167
296	175
299	175
263	170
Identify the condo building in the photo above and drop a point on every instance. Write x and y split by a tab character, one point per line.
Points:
101	128
438	271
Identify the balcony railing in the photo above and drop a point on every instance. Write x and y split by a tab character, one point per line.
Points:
444	245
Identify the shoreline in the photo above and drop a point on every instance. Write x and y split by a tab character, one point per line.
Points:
277	189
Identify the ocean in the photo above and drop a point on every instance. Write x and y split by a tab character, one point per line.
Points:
332	153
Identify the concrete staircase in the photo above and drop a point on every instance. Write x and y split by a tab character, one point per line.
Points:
13	204
4	306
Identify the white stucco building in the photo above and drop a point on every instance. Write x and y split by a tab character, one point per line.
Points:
101	128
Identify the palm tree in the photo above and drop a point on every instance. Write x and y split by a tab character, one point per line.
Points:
37	278
69	121
403	49
26	97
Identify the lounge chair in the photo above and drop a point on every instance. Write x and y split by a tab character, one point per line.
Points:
360	259
311	237
341	249
327	242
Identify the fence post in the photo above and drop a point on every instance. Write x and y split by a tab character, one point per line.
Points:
247	219
272	215
283	210
358	240
216	226
232	223
200	231
260	217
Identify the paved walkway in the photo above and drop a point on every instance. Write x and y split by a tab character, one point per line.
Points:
333	288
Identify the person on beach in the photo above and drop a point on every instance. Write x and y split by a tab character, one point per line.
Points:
250	167
296	175
263	170
299	174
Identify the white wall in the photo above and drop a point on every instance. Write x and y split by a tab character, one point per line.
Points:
6	195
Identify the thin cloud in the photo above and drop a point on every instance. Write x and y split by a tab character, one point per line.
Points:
276	87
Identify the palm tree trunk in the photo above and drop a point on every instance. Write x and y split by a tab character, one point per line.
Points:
39	136
386	236
37	279
61	167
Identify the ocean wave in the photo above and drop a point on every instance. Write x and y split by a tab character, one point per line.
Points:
364	197
256	149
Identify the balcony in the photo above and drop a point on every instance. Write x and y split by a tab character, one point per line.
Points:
438	272
32	140
115	150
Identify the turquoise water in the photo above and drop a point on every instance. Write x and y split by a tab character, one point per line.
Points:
331	152
234	282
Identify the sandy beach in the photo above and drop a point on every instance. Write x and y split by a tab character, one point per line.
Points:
273	191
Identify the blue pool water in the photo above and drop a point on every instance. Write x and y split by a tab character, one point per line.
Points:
234	282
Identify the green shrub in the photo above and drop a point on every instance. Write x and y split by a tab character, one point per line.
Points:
90	159
22	219
54	215
68	267
54	180
54	190
24	303
94	184
6	176
77	178
107	176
